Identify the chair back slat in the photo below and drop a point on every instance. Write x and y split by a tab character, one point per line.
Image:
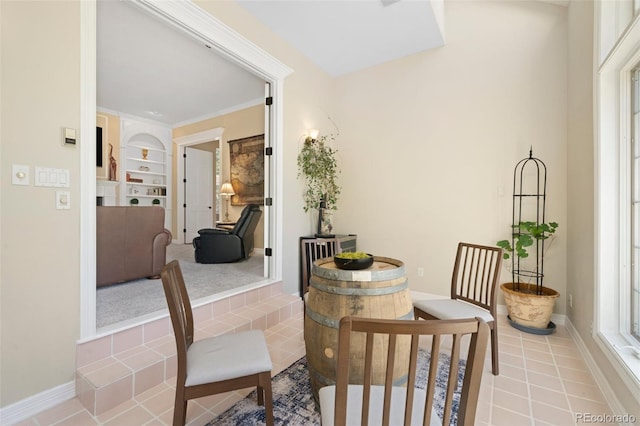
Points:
312	250
453	378
475	275
388	380
390	331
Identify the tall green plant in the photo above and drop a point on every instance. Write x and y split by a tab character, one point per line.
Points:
318	166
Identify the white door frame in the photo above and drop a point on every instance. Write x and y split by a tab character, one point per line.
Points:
182	143
188	17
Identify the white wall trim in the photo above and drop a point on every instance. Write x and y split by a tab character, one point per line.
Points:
182	143
600	378
200	137
33	405
87	168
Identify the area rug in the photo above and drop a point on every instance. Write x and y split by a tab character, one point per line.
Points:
293	402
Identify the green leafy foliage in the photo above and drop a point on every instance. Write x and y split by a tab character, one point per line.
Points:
524	235
318	166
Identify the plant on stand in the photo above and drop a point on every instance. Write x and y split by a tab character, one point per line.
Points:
529	303
523	236
318	166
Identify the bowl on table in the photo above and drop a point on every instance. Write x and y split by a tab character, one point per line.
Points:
353	260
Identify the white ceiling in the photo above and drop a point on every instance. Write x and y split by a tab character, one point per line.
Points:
148	69
342	36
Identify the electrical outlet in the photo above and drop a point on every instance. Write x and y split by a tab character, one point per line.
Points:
420	271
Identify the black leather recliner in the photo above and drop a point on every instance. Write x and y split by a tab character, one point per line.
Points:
222	246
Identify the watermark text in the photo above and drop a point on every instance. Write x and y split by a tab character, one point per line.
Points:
605	418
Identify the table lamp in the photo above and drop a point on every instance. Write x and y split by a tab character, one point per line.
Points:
226	192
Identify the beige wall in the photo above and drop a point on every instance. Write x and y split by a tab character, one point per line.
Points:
39	262
428	143
239	124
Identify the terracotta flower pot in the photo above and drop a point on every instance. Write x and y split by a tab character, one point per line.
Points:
527	308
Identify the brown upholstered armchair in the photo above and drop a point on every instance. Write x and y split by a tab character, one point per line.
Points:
131	243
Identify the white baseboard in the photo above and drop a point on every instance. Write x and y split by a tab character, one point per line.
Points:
600	378
32	405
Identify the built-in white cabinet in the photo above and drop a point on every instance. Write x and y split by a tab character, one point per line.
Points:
145	153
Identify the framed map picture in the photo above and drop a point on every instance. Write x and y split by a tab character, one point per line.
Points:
247	170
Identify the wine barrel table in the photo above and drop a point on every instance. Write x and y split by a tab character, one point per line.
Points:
380	291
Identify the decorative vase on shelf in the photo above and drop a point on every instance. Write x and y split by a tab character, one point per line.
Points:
145	152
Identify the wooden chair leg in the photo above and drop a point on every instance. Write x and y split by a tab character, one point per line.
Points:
494	351
260	392
268	398
179	412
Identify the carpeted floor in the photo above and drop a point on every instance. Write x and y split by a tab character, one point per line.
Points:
293	403
122	302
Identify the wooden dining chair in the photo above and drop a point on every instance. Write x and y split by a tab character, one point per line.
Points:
357	401
217	364
313	249
473	292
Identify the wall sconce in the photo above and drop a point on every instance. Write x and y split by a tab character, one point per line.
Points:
312	135
226	191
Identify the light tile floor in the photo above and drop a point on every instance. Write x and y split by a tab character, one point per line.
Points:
543	381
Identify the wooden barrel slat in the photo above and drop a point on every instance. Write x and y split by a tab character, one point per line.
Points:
380	291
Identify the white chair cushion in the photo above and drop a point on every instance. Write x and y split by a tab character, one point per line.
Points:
226	357
452	309
327	396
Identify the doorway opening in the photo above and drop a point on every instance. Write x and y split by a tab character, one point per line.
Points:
189	18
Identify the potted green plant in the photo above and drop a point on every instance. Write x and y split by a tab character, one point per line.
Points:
529	302
133	201
318	166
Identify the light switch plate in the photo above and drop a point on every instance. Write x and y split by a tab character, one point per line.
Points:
20	175
63	200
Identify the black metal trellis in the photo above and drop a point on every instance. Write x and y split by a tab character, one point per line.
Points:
527	201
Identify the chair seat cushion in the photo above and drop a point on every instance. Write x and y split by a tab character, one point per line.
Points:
226	357
452	309
327	397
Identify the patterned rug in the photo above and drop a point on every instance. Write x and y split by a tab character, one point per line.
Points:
293	402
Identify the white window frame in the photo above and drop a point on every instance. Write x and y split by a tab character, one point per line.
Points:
613	218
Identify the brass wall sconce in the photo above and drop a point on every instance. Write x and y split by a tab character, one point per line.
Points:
312	135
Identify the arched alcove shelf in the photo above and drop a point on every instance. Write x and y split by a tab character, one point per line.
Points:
145	174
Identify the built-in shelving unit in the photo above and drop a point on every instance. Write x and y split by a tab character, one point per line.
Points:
146	178
146	172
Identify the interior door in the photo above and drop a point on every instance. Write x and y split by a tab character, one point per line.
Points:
199	189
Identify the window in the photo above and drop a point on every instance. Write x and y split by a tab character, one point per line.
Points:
634	326
615	327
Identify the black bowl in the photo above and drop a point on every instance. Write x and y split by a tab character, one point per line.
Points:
353	264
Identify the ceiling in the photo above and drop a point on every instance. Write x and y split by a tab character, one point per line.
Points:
149	69
343	36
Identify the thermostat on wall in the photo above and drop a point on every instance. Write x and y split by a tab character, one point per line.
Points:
69	136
